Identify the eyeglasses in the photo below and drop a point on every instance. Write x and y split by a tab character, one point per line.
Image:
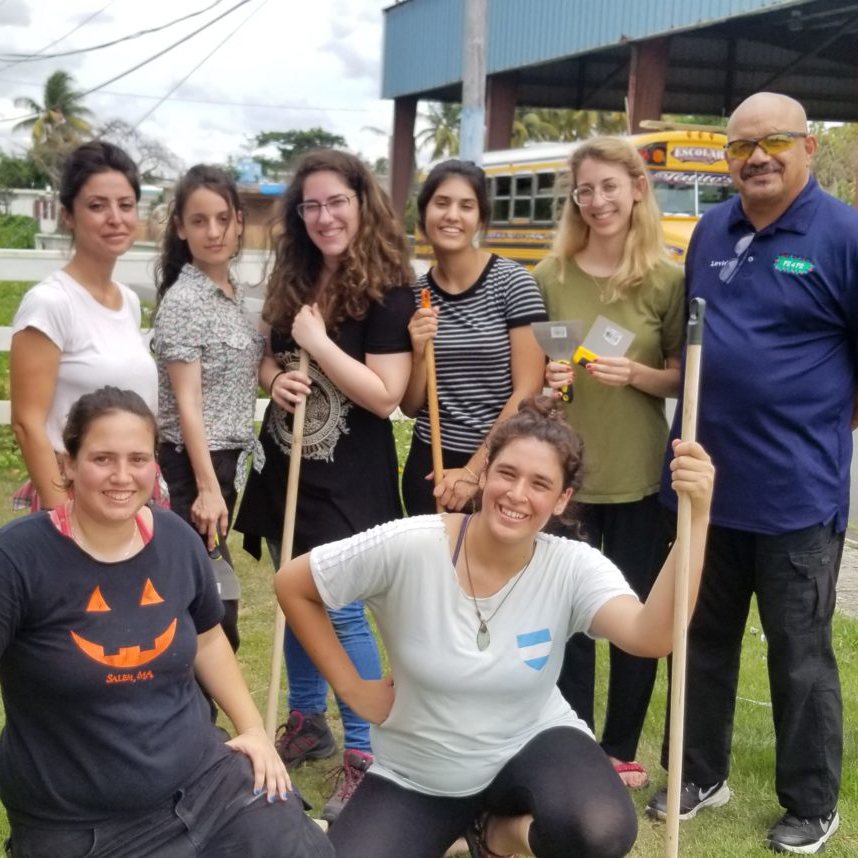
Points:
728	272
771	144
585	195
337	205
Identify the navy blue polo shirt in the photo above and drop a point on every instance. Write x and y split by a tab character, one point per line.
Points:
778	374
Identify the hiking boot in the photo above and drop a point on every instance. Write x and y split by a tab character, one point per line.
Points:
692	798
304	737
348	778
805	836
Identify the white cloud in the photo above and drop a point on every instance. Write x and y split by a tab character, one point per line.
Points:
291	65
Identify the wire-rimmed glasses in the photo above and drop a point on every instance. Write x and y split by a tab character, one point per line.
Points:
334	206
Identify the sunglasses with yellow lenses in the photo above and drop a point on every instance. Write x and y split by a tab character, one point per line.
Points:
771	144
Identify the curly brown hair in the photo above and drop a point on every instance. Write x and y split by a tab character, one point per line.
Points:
375	262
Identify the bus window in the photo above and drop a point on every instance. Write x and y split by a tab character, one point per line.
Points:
711	195
501	198
543	204
675	198
522	202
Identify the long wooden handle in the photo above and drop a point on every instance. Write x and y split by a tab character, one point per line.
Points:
434	409
690	396
287	541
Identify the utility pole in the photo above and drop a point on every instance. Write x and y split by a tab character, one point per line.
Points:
472	129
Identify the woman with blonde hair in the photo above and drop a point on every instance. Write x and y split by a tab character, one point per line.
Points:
609	260
339	290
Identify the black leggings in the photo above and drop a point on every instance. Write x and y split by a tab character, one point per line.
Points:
562	777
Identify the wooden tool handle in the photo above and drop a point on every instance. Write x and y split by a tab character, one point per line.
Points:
432	400
287	541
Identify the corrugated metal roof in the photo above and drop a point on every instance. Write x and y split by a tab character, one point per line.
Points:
423	38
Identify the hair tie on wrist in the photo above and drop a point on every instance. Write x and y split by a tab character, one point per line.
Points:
468	471
276	376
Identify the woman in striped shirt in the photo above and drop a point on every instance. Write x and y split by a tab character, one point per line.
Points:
487	359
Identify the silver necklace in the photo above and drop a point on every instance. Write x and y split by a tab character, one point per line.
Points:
484	639
85	545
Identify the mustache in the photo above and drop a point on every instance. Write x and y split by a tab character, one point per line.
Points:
752	170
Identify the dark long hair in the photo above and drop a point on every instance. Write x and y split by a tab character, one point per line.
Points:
96	156
175	253
439	174
375	262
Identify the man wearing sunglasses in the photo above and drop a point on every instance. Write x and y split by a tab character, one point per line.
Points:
778	268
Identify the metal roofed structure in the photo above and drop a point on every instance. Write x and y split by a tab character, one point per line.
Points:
658	56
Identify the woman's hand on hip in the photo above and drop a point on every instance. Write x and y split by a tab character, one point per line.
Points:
372	699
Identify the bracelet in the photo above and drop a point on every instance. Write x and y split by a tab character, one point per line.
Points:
276	376
470	473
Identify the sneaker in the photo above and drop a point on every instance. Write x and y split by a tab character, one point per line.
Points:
691	799
348	778
806	836
304	737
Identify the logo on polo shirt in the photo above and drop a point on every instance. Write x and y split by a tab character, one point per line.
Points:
534	648
790	264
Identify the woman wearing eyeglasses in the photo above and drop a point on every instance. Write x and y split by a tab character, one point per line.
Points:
339	290
608	260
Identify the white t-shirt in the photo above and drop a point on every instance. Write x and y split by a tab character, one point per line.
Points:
461	714
98	346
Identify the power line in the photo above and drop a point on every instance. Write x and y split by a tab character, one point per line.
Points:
61	38
214	50
166	50
27	58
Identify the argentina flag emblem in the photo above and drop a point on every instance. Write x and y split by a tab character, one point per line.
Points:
534	648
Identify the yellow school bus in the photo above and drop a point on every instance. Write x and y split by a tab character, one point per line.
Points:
527	188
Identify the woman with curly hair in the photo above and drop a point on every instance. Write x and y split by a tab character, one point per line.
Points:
609	260
340	290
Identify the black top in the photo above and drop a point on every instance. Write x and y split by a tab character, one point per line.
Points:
349	473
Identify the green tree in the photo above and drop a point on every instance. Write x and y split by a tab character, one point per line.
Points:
21	172
442	129
61	113
836	161
291	145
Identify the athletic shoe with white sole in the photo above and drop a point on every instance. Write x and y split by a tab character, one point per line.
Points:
692	797
805	836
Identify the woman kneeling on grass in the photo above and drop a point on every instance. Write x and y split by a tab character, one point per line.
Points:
108	609
475	611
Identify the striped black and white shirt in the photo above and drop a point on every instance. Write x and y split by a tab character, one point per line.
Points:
472	350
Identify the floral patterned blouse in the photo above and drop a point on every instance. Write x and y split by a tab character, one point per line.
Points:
197	321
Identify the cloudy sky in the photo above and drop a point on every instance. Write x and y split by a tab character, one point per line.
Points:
285	64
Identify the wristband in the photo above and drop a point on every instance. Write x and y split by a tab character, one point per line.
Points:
276	376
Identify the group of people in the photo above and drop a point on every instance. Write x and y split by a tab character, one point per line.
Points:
553	533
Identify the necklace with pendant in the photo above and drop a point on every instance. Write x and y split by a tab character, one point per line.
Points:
484	638
84	544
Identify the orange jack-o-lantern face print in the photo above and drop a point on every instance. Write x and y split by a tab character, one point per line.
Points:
132	655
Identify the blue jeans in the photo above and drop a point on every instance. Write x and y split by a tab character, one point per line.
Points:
308	689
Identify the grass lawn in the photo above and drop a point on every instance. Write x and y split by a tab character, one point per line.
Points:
735	830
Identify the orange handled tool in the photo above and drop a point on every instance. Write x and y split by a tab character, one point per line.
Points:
432	400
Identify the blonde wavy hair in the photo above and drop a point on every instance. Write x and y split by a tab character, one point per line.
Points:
375	262
644	248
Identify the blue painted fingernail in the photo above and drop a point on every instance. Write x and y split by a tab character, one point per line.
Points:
257	791
271	799
284	795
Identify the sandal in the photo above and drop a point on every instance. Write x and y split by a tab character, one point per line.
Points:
475	837
637	768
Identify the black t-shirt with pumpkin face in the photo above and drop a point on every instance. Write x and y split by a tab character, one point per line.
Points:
103	714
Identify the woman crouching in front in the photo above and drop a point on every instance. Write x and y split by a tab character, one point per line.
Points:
472	736
108	609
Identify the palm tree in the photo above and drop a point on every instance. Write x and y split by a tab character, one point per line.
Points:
532	126
442	131
61	115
